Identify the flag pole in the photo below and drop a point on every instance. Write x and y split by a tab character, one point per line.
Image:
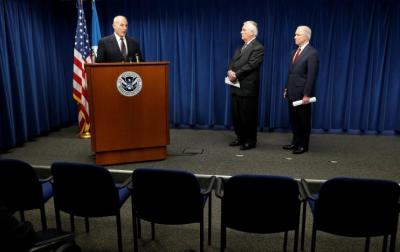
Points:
96	33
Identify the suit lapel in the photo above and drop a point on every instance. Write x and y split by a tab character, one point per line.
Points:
239	52
115	45
248	47
302	55
237	55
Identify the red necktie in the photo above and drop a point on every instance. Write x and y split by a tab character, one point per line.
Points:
296	56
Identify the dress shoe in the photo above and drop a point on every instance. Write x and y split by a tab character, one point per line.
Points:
247	146
235	143
289	147
299	150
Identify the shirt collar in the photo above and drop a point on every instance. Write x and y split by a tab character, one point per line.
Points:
304	46
251	40
118	37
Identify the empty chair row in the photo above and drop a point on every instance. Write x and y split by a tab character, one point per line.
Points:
250	203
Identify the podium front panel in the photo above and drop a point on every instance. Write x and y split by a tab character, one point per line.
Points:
128	122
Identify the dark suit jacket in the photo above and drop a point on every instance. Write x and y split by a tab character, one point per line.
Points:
108	50
246	65
303	74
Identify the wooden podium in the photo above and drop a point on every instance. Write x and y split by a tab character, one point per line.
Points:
128	127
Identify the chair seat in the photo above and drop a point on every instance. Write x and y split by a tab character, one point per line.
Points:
171	197
124	194
47	188
87	190
259	204
21	189
355	207
311	202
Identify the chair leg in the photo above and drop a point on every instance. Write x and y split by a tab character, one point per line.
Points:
136	223
303	226
153	232
392	246
43	217
119	233
87	224
296	240
209	220
313	238
58	220
72	221
223	237
135	226
285	241
139	227
384	244
367	242
202	234
22	215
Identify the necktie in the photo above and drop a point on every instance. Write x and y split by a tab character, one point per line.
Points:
123	48
296	56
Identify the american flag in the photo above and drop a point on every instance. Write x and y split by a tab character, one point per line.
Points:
82	54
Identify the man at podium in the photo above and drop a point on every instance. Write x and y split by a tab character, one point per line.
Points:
118	47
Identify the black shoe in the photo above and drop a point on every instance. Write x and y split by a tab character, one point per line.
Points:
299	150
289	147
237	142
247	146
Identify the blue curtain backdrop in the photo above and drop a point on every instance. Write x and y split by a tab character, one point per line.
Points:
358	87
35	90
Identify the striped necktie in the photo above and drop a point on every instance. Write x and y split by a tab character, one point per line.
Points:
123	48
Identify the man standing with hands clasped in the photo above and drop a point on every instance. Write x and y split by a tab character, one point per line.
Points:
244	68
303	71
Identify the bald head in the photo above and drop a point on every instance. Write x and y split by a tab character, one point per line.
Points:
120	25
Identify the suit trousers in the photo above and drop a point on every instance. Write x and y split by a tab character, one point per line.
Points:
244	116
300	121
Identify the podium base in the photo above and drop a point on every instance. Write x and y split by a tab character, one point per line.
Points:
131	156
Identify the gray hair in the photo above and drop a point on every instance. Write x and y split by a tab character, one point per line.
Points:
253	26
306	31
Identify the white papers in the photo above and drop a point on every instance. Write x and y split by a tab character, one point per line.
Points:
300	102
236	84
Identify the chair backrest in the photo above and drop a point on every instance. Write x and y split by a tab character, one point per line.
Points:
261	203
84	189
19	186
357	207
166	196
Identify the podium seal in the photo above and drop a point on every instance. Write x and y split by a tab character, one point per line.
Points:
129	83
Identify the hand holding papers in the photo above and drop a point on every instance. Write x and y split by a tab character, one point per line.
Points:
236	84
300	102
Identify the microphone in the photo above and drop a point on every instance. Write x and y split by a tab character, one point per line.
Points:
130	59
137	57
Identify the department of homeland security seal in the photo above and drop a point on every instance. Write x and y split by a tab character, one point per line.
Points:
129	83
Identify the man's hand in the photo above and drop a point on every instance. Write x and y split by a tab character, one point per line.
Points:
232	76
306	99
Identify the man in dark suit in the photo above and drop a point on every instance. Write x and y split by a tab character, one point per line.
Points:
303	71
245	68
118	47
